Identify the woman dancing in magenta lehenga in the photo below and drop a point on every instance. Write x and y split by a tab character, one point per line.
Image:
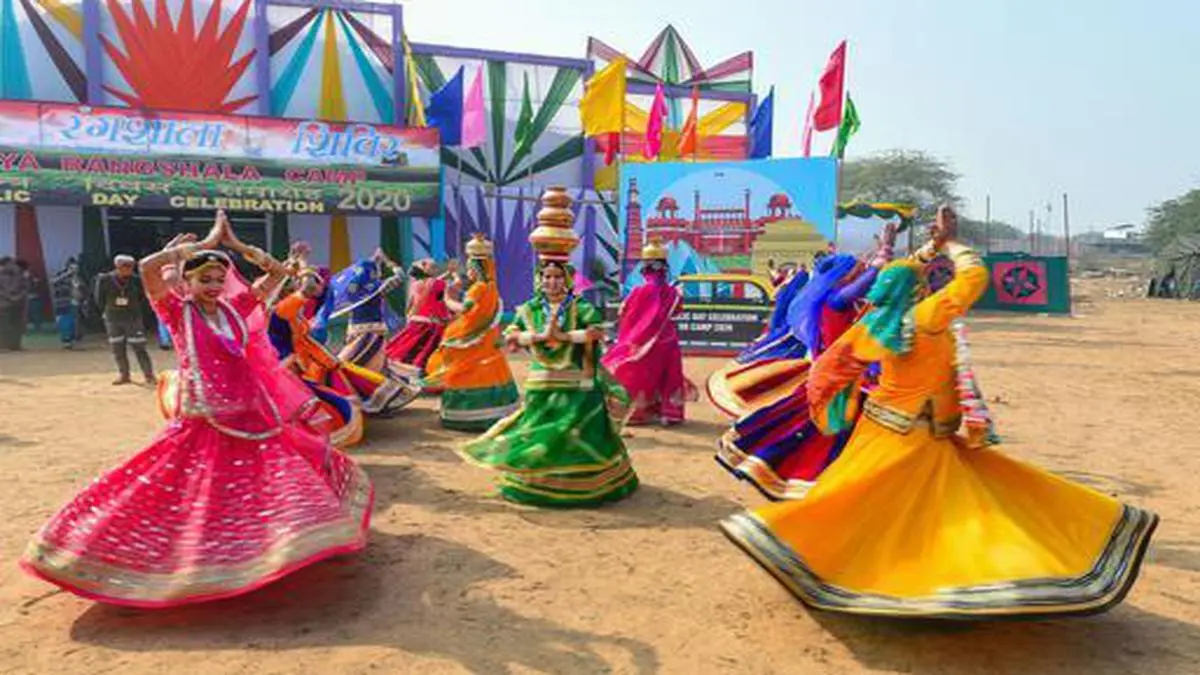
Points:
428	313
647	360
777	448
294	400
231	495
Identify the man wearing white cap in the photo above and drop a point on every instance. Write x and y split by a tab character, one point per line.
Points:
120	297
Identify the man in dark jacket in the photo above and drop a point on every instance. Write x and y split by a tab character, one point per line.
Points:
120	298
14	302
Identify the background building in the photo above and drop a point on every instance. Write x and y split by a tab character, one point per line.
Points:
344	61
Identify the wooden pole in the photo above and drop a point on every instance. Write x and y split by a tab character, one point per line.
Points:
617	200
987	225
1067	230
1032	241
1044	226
458	205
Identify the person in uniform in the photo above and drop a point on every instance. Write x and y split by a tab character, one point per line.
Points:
120	298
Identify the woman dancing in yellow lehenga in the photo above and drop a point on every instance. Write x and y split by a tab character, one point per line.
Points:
915	519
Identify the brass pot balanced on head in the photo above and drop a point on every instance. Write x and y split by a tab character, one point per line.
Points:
554	236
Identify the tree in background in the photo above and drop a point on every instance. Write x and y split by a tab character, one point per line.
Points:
917	178
1172	219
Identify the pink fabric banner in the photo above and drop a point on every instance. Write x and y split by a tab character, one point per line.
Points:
474	125
654	126
808	124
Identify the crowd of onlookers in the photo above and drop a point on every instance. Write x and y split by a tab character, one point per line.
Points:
113	302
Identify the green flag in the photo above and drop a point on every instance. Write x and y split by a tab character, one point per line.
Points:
849	127
524	131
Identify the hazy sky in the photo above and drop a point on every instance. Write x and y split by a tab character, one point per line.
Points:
1026	98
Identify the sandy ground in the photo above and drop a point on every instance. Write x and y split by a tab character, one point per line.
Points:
456	581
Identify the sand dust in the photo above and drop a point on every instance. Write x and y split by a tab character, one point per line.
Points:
456	581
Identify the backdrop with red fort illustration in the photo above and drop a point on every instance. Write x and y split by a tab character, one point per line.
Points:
734	218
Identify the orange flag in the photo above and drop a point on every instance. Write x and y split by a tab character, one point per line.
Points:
689	141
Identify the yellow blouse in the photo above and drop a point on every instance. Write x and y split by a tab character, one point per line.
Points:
921	384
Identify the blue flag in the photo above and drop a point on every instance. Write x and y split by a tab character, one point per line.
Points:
445	110
762	127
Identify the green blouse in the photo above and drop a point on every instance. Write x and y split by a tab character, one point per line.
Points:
569	365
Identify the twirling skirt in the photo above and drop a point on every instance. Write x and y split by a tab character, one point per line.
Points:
740	389
382	387
409	350
779	449
201	515
560	449
913	525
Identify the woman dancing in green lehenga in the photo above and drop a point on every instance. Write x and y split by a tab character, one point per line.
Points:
563	447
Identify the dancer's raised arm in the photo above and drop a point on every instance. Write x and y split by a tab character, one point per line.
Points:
276	271
153	264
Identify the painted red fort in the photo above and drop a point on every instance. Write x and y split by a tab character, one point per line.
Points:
710	231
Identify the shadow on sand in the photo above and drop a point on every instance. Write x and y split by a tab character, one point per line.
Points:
650	507
444	612
1117	642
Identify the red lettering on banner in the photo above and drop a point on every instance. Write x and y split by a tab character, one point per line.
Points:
19	161
335	176
28	163
250	172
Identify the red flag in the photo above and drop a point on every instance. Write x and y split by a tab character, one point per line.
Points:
833	81
689	142
612	147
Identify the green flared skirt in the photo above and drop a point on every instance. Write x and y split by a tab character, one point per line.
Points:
478	409
561	449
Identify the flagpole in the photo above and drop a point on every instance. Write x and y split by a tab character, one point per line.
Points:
840	158
458	202
1067	230
620	160
696	130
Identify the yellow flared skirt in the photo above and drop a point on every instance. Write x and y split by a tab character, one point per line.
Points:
739	389
912	525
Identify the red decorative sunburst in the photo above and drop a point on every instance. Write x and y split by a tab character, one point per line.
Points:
173	67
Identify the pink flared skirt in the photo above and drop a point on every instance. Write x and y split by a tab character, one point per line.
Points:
202	515
653	377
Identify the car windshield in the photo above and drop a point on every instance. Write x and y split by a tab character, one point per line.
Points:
724	292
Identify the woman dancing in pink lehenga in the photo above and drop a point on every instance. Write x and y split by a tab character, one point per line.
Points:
232	494
647	360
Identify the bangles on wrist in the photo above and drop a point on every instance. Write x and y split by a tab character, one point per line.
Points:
261	259
182	252
926	253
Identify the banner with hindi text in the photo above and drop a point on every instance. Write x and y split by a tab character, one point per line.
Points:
57	154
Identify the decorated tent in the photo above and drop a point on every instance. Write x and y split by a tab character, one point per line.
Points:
1177	269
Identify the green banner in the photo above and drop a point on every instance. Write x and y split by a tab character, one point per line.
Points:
1027	283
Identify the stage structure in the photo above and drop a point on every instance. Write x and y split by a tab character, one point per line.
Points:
348	62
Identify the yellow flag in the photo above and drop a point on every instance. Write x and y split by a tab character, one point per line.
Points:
713	123
604	100
417	118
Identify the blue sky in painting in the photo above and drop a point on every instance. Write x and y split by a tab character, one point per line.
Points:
810	183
